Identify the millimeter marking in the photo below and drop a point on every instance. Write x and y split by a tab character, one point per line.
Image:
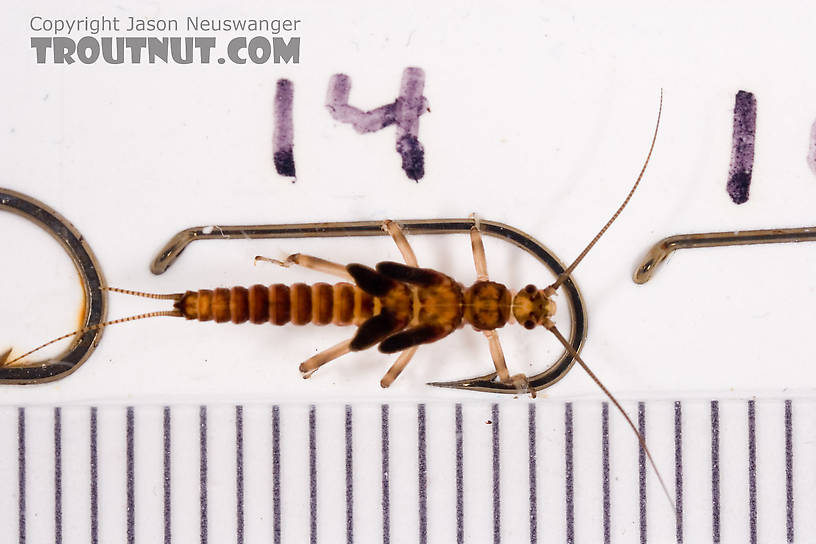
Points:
21	474
422	476
678	471
254	506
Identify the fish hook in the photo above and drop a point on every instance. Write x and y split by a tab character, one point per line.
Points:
95	297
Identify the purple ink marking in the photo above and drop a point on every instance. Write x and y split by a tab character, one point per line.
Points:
404	112
283	139
742	147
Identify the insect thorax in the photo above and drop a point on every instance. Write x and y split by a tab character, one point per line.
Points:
487	305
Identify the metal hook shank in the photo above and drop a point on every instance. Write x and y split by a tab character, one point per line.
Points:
548	377
92	281
661	250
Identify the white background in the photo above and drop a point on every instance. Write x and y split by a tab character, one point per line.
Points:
541	116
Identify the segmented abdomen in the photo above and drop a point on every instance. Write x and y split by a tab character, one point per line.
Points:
320	304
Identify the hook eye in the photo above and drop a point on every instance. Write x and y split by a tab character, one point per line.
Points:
90	275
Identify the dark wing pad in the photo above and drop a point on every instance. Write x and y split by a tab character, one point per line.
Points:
423	277
373	330
411	337
370	281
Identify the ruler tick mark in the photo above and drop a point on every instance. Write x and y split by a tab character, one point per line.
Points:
21	474
276	482
789	469
678	470
568	481
239	474
312	475
386	502
166	459
349	479
715	471
422	475
496	475
642	472
531	446
57	475
131	497
752	496
94	461
607	520
202	472
460	500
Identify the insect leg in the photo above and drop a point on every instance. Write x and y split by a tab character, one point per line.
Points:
313	363
313	263
496	352
398	366
479	258
398	235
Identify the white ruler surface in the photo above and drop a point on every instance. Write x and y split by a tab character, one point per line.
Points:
513	471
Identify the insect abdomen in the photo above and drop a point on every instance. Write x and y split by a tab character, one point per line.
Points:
319	303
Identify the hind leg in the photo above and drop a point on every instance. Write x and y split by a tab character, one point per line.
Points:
312	263
398	366
311	364
398	235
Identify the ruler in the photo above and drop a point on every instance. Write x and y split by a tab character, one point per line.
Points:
512	471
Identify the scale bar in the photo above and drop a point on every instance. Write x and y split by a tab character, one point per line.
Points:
460	462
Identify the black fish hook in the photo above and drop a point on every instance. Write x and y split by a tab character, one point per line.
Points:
92	285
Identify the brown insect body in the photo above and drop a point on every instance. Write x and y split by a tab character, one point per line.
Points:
396	305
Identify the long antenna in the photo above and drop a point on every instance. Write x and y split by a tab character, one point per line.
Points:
565	274
552	328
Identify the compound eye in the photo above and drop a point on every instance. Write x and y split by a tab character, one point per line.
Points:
529	324
530	289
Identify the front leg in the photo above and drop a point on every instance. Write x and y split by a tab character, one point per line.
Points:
518	380
477	245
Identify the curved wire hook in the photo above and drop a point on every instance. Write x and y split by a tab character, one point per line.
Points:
90	276
662	249
171	251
